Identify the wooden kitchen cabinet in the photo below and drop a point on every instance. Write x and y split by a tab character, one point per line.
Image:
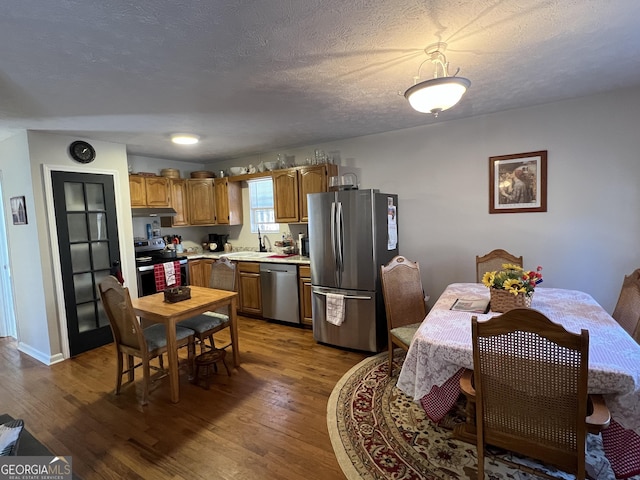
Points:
195	272
201	201
179	201
314	179
148	191
200	271
214	201
228	202
304	282
290	189
249	289
285	196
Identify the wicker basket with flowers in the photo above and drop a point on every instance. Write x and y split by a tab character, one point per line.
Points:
511	287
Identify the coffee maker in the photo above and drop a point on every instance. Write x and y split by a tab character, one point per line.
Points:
304	246
219	240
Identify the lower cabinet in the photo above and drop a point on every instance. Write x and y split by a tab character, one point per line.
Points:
304	287
249	289
200	271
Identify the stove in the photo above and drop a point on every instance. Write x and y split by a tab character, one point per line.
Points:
150	252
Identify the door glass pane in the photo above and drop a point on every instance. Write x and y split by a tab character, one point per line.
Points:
86	317
80	257
83	287
95	196
77	227
98	226
103	320
74	196
100	276
101	255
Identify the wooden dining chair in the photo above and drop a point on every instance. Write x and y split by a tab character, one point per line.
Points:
223	277
627	311
404	302
131	340
530	389
493	261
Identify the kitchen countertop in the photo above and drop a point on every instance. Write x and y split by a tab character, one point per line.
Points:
263	257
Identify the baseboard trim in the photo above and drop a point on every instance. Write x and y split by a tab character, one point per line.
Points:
38	355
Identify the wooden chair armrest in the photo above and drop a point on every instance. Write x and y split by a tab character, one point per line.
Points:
466	384
599	417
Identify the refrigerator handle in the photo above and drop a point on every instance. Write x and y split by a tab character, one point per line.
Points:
333	242
340	240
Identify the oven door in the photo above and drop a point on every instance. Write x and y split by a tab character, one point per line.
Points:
147	282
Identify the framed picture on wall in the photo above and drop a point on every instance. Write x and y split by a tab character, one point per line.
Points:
18	211
518	183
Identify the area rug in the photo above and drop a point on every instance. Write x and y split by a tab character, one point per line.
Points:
379	433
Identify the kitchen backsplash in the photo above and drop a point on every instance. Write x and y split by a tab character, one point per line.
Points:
239	236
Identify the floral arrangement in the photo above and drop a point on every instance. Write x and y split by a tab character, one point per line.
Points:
513	279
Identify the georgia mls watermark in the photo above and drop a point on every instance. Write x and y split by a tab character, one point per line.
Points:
35	468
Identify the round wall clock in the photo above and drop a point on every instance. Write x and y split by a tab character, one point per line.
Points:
82	152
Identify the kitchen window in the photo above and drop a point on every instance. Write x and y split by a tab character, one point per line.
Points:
262	214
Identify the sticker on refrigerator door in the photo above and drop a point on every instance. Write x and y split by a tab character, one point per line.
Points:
392	225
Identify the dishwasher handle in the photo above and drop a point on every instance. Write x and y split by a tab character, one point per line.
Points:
278	272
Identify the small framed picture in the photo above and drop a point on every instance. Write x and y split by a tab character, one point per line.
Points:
18	211
518	183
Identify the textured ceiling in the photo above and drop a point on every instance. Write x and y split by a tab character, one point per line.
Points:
254	76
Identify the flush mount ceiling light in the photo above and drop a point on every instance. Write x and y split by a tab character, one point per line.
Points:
439	93
185	138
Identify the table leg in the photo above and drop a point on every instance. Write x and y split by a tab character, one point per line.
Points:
172	354
234	331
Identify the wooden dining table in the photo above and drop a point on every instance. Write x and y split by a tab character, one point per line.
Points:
154	308
442	348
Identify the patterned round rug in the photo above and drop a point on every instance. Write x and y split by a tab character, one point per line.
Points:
379	433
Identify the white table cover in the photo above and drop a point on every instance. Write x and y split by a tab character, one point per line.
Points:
442	345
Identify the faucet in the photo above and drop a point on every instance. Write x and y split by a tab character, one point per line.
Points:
261	243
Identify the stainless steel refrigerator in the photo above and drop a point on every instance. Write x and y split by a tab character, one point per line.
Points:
351	234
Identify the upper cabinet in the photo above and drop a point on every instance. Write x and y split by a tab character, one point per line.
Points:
179	201
214	201
285	196
201	201
313	180
290	189
149	191
228	202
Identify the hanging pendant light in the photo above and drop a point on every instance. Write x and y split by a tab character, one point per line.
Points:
439	93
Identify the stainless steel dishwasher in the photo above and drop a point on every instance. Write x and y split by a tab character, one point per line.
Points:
279	284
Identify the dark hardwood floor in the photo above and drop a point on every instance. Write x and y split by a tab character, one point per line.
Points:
266	421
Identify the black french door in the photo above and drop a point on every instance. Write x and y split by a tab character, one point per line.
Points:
88	245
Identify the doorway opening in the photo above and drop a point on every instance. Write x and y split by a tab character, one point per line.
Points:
8	321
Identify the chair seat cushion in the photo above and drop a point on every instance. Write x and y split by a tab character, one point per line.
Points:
205	322
406	332
156	335
10	436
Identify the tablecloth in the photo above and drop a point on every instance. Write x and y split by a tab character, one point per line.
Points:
442	345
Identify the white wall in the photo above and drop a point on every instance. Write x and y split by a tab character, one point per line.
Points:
588	238
24	251
27	160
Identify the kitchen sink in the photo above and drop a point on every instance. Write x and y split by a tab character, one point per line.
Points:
248	254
